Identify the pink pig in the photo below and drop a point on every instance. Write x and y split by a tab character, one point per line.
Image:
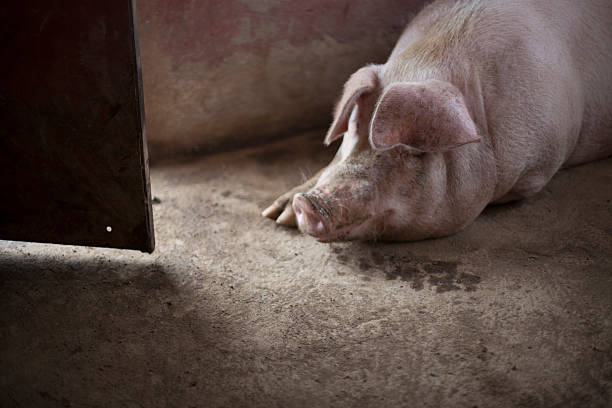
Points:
480	102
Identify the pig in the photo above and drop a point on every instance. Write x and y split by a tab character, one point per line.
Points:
480	102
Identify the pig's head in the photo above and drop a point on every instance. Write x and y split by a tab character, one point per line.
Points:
389	173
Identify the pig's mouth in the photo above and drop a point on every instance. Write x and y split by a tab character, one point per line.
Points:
315	219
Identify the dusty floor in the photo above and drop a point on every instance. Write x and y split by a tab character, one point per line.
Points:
232	310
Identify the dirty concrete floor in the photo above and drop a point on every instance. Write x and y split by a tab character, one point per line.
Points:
233	311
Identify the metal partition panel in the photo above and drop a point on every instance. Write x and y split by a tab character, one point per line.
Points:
73	158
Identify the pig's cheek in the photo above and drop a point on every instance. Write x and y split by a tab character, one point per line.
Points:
366	230
396	209
382	226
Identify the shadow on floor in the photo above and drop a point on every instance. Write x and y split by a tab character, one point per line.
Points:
94	332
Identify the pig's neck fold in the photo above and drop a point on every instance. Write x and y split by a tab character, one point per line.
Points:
462	182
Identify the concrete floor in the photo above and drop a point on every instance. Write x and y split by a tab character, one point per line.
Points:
232	310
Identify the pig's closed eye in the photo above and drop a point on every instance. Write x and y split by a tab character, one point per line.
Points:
412	159
408	153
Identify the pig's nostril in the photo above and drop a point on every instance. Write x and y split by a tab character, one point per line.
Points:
309	219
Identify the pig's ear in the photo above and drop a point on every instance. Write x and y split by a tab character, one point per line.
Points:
429	116
364	81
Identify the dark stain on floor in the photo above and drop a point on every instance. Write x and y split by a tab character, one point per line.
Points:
441	276
408	273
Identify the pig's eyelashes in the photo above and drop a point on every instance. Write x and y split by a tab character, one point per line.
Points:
415	152
412	160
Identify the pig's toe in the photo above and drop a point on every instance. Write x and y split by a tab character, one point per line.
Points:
277	207
287	217
272	211
281	210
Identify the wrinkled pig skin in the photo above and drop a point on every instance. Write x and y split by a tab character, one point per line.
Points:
480	102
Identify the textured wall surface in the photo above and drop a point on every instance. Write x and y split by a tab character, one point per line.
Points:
219	74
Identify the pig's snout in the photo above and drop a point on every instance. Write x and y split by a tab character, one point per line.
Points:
312	218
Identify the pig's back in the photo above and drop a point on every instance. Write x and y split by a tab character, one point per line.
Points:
544	74
590	25
562	61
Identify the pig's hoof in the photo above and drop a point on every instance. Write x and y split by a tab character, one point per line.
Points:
281	210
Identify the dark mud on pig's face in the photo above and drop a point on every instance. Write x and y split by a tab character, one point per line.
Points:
363	195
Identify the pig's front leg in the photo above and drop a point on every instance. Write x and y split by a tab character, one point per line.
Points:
281	210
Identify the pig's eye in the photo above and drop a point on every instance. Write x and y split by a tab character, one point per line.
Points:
412	160
408	155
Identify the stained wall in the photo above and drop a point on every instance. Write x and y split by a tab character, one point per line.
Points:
221	74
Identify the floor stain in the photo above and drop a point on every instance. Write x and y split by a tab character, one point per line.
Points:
407	273
440	276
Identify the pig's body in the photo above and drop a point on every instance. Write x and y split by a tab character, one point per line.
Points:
479	102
